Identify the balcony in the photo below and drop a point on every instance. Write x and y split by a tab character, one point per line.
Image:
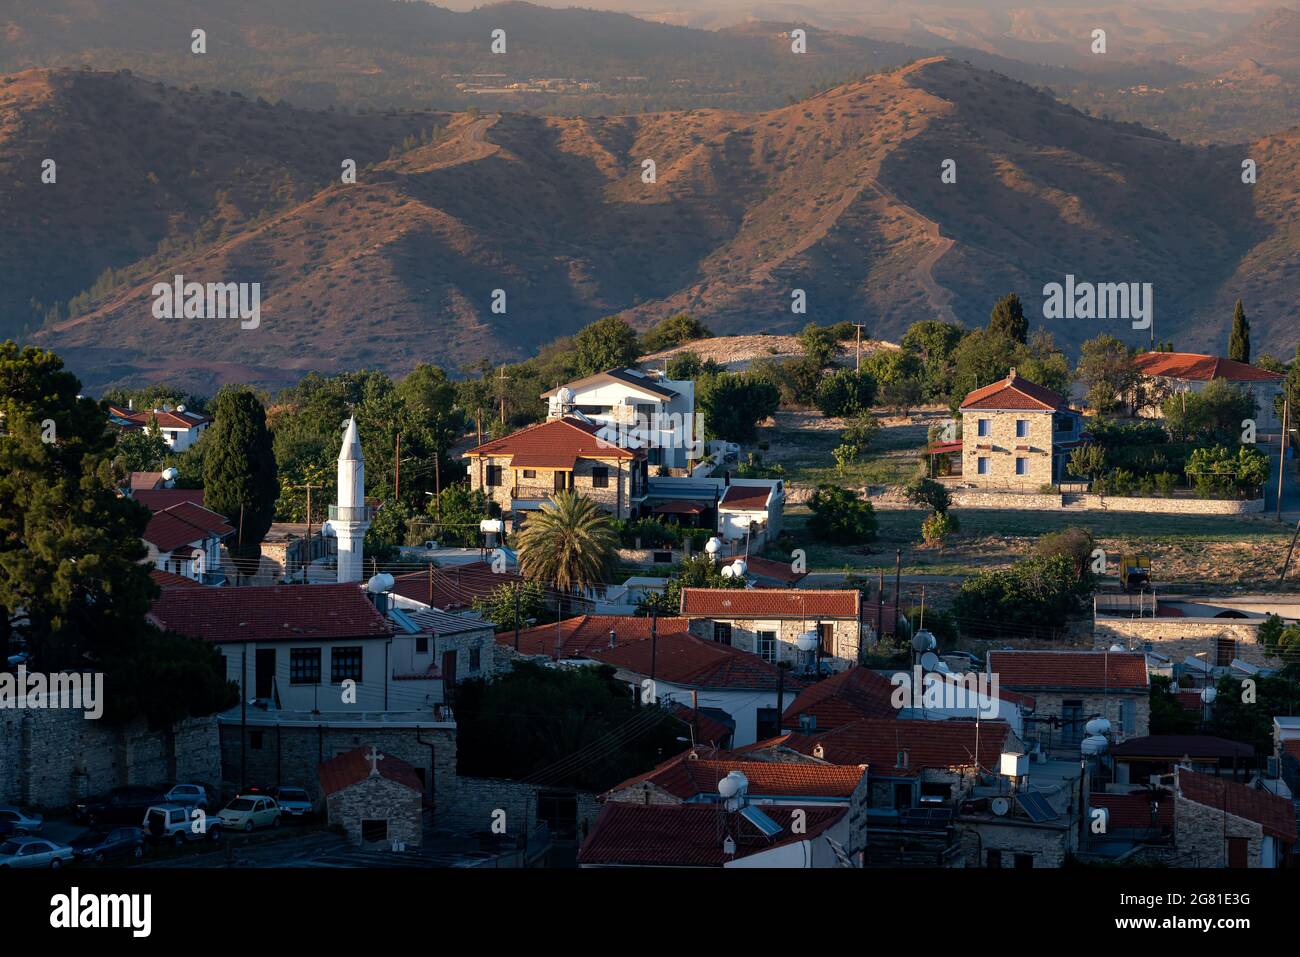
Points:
351	513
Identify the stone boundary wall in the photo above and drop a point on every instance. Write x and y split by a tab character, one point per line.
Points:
1179	638
1024	501
54	758
478	798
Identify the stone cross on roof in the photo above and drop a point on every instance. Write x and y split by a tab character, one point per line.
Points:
374	757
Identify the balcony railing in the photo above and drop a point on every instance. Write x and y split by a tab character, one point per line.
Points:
351	513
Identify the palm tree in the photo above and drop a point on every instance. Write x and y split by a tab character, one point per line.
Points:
570	543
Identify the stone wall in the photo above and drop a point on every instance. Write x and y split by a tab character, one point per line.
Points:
1048	845
1201	833
847	638
290	755
1040	501
378	798
614	496
1179	638
53	758
1002	448
477	800
1051	704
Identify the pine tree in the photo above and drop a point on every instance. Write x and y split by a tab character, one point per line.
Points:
1239	338
1008	319
240	478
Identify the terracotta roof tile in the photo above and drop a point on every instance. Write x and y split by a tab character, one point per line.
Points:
553	441
747	497
843	698
352	767
686	777
1033	670
183	524
164	579
1201	368
578	637
684	659
777	571
878	743
731	603
1015	392
1134	811
157	499
708	730
1276	815
454	587
270	613
1179	745
686	835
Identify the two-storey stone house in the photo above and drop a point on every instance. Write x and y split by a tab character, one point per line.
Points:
769	621
1017	435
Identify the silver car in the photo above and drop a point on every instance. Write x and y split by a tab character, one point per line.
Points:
34	852
21	822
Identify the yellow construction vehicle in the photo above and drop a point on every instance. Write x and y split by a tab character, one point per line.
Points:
1135	572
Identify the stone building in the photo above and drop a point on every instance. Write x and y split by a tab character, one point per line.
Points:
376	798
1071	687
522	471
769	621
1167	374
1017	435
1219	823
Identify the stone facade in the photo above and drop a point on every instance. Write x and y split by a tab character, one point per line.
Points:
478	800
1041	501
53	758
377	798
1201	835
1001	448
290	753
1048	704
1046	845
622	481
1217	640
845	642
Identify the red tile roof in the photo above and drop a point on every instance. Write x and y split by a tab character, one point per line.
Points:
270	613
878	742
145	480
555	443
183	524
678	507
166	420
732	603
1190	700
1201	368
1015	392
1134	810
777	571
687	835
684	659
745	497
171	580
708	730
685	777
157	499
1028	670
843	698
1276	815
454	587
578	637
352	767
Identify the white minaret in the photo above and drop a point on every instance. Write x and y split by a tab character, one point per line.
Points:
350	517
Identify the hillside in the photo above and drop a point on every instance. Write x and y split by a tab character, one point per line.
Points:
839	195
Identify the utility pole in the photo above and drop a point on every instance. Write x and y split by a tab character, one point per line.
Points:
243	719
397	468
1282	450
307	561
502	377
898	579
857	365
516	617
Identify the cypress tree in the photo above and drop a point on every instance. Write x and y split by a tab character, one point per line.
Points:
1239	338
239	472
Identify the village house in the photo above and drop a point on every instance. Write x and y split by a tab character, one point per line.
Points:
1167	374
1016	435
1220	823
1138	760
1070	688
521	472
180	428
770	622
377	799
185	539
638	410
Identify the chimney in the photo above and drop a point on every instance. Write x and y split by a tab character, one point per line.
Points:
1012	374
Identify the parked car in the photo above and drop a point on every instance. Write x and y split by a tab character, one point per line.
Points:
34	852
98	846
20	822
293	802
248	811
175	824
124	805
190	795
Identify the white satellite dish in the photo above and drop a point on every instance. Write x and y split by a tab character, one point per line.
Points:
713	545
739	568
1093	744
930	661
924	641
1098	726
1000	806
808	641
383	582
1208	695
728	571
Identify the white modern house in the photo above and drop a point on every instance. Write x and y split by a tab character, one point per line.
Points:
180	428
639	409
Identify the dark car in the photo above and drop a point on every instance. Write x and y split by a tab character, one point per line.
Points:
120	806
98	846
295	803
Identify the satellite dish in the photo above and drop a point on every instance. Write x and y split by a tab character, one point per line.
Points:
1097	726
1093	744
1118	647
930	661
713	545
728	787
1208	695
728	571
924	641
808	641
739	568
943	668
180	408
383	582
1000	806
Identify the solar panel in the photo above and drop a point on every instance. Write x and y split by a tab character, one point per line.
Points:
1036	806
927	816
760	820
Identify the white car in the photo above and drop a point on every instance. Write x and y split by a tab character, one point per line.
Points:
178	824
22	823
34	852
249	811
